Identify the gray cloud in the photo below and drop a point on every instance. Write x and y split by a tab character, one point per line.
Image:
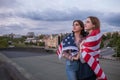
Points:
31	15
54	15
11	28
70	15
49	20
42	28
6	15
8	3
112	19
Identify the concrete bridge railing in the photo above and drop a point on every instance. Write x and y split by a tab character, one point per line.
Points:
14	71
30	49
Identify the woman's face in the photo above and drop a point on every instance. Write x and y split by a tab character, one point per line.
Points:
76	27
88	24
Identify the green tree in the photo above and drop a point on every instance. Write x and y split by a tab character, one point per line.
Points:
118	47
112	40
3	43
41	44
108	35
102	44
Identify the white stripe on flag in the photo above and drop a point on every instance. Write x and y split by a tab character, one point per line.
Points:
97	68
94	38
90	61
83	54
70	47
94	53
103	75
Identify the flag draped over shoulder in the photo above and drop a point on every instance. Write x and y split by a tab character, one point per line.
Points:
68	43
90	53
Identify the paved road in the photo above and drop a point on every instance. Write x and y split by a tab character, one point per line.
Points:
48	67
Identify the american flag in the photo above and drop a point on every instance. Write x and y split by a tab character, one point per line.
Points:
68	43
90	53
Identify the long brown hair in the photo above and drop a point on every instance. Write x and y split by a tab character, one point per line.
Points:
95	21
83	33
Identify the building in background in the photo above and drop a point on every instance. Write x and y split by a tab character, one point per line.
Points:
51	41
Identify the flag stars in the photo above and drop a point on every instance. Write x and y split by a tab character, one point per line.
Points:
65	39
68	42
68	37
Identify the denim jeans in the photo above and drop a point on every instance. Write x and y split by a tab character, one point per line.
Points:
71	75
72	68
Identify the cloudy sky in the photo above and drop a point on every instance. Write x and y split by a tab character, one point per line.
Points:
55	16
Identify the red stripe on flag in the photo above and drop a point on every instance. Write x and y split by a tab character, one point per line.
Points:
96	56
93	43
100	72
58	52
88	50
59	49
94	65
60	46
94	32
87	57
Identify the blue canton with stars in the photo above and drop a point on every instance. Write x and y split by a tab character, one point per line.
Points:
68	43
